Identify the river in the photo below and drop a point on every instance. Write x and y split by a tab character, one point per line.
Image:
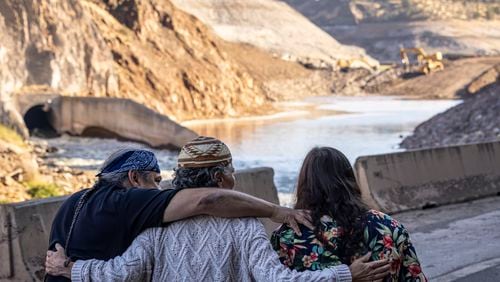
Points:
355	125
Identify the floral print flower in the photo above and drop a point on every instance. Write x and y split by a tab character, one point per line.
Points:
388	241
307	261
414	269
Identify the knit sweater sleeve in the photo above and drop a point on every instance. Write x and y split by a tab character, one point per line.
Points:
134	265
265	265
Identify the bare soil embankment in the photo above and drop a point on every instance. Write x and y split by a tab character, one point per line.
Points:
281	80
278	46
272	26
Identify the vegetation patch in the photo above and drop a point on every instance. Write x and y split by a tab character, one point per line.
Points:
10	136
39	190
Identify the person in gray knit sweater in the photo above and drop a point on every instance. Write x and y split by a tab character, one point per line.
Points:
205	248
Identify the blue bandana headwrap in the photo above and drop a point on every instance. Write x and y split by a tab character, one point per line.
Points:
139	160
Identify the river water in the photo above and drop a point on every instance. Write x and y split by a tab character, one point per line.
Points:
355	125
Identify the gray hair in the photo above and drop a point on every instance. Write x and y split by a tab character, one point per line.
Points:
114	178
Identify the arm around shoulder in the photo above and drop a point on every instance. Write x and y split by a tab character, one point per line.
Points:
216	202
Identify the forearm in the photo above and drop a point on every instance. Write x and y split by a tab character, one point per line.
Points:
216	202
226	203
112	270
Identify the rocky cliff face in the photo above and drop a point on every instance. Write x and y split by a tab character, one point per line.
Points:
50	43
148	51
382	26
53	43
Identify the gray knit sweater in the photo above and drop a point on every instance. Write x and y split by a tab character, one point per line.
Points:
201	249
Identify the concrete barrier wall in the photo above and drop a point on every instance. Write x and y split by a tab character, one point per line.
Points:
24	234
25	227
259	182
414	179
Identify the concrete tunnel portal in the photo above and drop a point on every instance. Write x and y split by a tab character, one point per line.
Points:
38	121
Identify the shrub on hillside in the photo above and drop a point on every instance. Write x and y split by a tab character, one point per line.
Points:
10	136
39	190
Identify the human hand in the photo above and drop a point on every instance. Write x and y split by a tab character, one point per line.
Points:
362	270
292	218
55	263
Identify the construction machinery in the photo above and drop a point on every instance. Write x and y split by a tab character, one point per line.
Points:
427	63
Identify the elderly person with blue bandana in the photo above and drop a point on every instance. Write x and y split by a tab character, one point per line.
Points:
101	222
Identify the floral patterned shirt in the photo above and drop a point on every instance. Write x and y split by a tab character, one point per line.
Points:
383	236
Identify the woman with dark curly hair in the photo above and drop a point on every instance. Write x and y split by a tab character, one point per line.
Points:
345	228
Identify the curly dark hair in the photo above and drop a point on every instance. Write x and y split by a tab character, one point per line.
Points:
196	177
327	186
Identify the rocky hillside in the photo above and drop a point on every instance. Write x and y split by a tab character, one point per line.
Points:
25	174
477	119
382	26
272	26
148	51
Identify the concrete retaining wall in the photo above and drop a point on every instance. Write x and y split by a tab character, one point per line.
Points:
25	227
415	179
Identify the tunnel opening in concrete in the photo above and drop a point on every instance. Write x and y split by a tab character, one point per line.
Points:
38	122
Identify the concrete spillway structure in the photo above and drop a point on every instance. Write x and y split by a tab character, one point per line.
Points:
25	227
102	117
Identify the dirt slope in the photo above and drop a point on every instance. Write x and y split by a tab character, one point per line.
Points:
281	80
272	26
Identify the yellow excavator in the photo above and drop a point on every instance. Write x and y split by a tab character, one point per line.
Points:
427	63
